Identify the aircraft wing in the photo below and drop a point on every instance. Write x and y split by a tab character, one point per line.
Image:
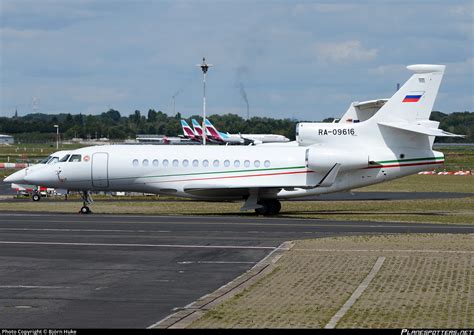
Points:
247	141
218	191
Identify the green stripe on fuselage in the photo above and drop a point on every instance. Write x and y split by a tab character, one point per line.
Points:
410	160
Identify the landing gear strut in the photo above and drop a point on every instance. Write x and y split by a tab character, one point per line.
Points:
269	207
87	200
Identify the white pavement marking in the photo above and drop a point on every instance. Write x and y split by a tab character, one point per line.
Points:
32	286
86	230
357	293
139	245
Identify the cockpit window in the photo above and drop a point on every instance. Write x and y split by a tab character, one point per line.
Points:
53	160
65	158
75	158
44	160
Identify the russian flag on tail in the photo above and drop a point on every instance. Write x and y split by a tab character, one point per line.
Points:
413	97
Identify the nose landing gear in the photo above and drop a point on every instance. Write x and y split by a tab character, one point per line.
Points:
36	196
87	200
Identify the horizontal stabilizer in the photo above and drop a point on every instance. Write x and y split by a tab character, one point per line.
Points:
419	129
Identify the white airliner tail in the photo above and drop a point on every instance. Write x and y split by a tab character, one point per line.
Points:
187	130
415	99
197	128
399	122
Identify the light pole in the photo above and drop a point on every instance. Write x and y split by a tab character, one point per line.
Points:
57	135
174	101
204	67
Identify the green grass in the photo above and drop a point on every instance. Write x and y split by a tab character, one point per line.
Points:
424	183
457	158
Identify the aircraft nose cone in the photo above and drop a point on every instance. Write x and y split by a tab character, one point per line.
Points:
43	177
16	177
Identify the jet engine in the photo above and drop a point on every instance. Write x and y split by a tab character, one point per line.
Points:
322	160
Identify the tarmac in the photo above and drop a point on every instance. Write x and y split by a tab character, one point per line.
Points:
124	271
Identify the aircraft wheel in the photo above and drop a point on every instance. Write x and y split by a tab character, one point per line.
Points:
263	210
36	197
274	207
85	210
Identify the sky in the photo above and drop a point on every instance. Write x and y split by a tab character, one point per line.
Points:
306	60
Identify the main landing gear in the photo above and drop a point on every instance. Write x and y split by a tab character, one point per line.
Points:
269	207
87	200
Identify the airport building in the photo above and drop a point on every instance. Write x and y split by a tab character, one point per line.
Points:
150	139
6	139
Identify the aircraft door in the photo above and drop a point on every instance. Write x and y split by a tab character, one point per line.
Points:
100	170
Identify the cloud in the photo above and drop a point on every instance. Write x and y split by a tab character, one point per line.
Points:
291	56
344	52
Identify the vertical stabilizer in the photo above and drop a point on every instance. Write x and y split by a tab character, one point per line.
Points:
197	127
187	131
213	131
415	99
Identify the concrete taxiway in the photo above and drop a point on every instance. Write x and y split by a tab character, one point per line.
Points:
73	271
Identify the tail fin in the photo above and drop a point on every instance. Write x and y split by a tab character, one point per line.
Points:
415	99
197	127
213	131
187	131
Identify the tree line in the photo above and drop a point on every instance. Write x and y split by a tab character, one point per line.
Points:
111	124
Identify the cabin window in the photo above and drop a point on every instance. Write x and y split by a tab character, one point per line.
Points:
267	164
236	163
256	164
155	162
175	163
215	163
195	163
135	162
165	163
205	163
247	163
185	163
145	162
226	163
65	158
75	158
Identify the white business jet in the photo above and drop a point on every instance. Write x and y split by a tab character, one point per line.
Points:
395	141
